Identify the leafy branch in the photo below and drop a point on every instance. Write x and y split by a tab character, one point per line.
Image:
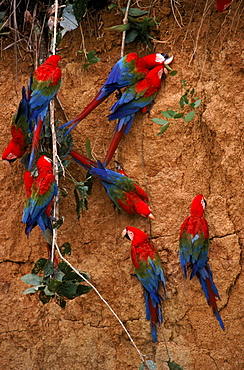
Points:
137	26
188	103
60	283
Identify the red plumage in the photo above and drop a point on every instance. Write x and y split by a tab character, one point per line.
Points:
223	5
49	70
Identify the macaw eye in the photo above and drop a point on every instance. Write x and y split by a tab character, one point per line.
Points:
203	203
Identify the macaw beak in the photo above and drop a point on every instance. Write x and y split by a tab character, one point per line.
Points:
124	234
8	162
168	60
151	216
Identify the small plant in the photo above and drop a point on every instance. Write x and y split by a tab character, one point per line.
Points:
137	26
188	103
91	58
60	283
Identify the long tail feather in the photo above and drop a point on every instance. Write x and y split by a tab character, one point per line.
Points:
92	105
116	138
82	160
153	311
35	142
210	290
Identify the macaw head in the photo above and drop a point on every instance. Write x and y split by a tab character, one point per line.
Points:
12	152
28	181
198	205
134	234
143	209
53	60
44	164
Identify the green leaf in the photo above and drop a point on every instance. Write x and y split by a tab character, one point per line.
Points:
189	116
39	266
88	149
73	276
135	12
92	58
64	164
32	289
43	298
49	268
112	6
184	83
65	249
85	66
179	115
150	365
184	101
174	366
47	292
67	289
192	91
159	121
173	73
163	129
169	113
58	275
130	36
80	192
79	9
120	27
82	289
32	279
53	285
64	267
197	103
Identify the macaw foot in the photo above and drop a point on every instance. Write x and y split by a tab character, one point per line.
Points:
149	107
118	94
118	166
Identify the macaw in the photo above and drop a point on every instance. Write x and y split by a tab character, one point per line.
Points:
46	83
40	192
123	191
44	221
20	130
223	5
193	249
127	71
136	97
149	271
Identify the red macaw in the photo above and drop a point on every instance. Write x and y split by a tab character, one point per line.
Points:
44	221
46	82
127	71
40	192
136	97
194	246
20	130
149	271
223	5
125	194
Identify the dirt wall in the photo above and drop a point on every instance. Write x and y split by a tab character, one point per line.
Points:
202	156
